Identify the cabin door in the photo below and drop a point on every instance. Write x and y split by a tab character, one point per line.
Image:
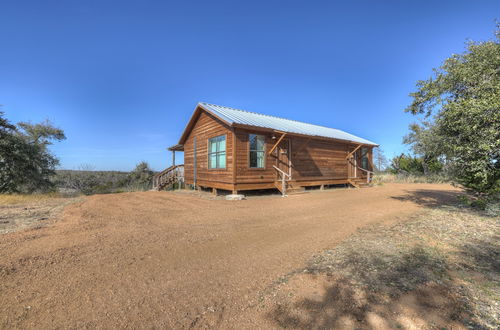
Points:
283	157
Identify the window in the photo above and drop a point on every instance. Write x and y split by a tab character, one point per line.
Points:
217	152
257	153
364	158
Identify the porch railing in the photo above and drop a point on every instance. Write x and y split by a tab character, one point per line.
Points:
169	176
369	174
283	180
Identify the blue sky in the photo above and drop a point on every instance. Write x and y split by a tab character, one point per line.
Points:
123	77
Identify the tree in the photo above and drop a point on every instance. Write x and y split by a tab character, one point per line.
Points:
141	177
379	159
461	106
407	164
5	126
26	163
426	143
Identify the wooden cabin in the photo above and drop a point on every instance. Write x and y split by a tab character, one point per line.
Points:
237	150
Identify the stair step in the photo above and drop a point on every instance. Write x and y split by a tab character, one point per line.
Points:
297	192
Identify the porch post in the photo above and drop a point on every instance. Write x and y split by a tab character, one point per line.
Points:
173	157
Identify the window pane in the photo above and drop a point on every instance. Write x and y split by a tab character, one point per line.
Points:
257	159
212	145
212	163
364	157
252	140
253	159
222	159
256	142
222	143
260	143
260	159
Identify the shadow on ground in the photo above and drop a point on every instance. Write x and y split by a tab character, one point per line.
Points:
430	198
370	289
484	254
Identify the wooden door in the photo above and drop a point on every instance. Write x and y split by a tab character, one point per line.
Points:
283	157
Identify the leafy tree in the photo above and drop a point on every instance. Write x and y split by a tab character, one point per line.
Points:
26	163
407	164
426	143
5	126
42	133
141	176
461	105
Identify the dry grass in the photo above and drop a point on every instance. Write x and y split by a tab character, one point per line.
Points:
437	270
381	178
12	199
20	211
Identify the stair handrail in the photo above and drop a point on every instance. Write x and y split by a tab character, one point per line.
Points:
368	172
168	172
283	184
281	171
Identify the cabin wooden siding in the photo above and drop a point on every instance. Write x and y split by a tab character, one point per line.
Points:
246	174
206	127
318	161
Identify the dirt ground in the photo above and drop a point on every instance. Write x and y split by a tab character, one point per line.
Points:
31	212
174	260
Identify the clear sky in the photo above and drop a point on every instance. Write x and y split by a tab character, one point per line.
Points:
123	77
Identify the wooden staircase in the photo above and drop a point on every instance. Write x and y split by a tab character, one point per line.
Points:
282	184
168	177
290	188
359	183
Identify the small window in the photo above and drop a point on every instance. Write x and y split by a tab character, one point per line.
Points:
257	153
217	152
364	158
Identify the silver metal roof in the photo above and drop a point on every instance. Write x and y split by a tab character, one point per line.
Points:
244	117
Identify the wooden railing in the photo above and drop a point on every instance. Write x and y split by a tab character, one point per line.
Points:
169	176
369	174
283	180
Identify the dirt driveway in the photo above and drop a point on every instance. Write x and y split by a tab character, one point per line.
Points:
160	259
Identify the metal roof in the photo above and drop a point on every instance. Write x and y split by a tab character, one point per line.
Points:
236	116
